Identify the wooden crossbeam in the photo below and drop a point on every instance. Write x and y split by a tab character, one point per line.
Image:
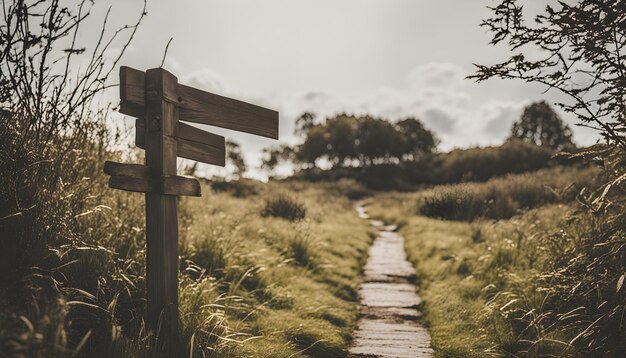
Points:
138	178
193	143
160	104
199	106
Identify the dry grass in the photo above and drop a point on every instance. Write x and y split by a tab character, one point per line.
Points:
73	263
502	198
540	284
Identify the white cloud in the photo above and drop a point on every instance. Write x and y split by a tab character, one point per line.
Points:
437	93
435	75
499	116
438	120
204	79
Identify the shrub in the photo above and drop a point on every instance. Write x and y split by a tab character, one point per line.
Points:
460	165
283	206
480	164
502	198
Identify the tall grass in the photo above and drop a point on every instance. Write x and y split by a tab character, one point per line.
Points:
289	287
544	283
505	197
284	206
73	262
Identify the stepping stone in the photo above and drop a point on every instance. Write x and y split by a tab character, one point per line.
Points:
389	317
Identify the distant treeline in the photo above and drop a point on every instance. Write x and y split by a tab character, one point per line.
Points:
460	165
402	155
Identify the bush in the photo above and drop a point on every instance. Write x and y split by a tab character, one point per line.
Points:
457	166
502	198
480	164
283	206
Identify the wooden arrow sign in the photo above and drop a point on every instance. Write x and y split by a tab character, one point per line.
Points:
160	104
199	106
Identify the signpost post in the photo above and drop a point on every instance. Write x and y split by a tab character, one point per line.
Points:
160	103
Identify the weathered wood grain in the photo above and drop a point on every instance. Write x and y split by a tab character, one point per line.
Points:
138	178
180	185
129	183
137	171
132	92
207	108
161	213
193	143
200	106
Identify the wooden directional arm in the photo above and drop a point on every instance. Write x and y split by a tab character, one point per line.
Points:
193	143
138	178
199	106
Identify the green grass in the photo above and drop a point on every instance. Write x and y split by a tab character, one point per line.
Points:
295	282
542	283
502	198
73	258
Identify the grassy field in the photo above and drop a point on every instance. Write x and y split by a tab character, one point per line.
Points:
266	269
519	286
293	282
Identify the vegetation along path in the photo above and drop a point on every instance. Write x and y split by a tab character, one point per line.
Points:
388	325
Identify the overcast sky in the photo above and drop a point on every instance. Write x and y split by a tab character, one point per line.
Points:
391	58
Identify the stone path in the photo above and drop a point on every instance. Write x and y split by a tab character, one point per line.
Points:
389	318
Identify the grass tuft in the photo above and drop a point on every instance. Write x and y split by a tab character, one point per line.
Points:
284	206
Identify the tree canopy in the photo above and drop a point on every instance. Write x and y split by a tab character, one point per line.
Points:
234	158
541	125
348	140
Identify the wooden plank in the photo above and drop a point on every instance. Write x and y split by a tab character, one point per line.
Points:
193	143
137	171
176	185
161	215
137	177
200	106
132	92
127	183
202	153
207	108
180	185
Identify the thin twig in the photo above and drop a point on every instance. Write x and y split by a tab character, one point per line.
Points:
165	52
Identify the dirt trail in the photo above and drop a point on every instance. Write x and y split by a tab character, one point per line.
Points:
388	325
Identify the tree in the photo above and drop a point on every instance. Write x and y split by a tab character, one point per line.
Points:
304	123
416	139
342	134
541	125
235	158
580	54
273	156
376	140
348	140
315	146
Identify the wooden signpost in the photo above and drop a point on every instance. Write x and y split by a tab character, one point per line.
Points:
160	103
